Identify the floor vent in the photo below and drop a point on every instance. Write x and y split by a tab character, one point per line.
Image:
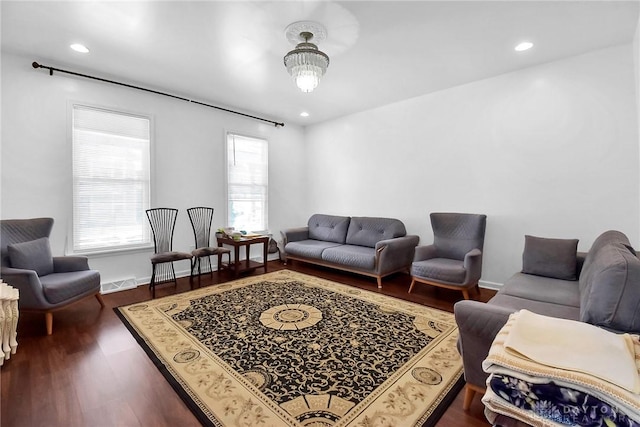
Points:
118	285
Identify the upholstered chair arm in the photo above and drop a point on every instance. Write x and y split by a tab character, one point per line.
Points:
395	254
295	234
479	324
28	283
473	265
423	253
65	264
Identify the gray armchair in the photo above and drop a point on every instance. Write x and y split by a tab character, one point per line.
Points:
46	283
454	260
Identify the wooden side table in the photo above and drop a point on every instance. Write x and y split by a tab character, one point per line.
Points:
240	266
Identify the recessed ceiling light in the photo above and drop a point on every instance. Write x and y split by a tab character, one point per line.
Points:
304	114
524	46
79	48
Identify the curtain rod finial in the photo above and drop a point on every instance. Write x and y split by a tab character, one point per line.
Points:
35	64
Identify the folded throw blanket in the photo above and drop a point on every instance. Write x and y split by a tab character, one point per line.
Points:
574	346
513	358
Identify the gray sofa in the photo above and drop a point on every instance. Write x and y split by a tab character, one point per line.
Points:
601	287
375	247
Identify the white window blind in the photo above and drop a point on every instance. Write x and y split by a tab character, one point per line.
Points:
111	180
247	182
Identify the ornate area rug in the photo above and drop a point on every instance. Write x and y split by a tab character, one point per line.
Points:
287	349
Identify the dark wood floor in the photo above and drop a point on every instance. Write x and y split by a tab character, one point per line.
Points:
91	372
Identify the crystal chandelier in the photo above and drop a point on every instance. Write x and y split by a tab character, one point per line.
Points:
306	64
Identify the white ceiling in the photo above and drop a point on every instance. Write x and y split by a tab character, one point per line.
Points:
229	53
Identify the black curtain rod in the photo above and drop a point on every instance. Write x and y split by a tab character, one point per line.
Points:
52	69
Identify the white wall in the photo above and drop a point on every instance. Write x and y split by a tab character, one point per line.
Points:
550	151
188	149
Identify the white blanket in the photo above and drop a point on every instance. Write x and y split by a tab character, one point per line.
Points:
575	346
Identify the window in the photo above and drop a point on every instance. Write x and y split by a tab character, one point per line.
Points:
247	182
111	180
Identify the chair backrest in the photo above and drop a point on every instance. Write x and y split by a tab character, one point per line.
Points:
201	219
163	222
455	234
21	230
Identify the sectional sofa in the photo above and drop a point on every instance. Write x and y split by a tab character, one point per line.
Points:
371	246
601	287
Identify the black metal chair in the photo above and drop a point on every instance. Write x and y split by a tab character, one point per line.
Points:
201	219
163	223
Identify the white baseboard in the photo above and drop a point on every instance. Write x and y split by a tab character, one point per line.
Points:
490	285
118	285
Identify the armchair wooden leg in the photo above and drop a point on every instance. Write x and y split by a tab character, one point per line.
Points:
465	293
48	319
413	282
100	300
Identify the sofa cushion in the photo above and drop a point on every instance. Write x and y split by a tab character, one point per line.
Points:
308	248
329	228
32	255
555	258
440	269
61	287
545	308
612	295
367	231
359	257
543	289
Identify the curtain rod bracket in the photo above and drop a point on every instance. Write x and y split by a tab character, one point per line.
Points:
34	64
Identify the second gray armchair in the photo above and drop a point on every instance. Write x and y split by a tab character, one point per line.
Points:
454	260
46	283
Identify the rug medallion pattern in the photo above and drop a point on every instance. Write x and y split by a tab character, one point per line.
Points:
290	349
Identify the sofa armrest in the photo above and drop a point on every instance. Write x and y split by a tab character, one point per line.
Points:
295	234
423	253
473	265
29	286
395	254
478	323
65	264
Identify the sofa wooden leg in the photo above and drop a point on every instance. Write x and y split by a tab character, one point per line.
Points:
469	394
413	282
470	391
465	293
100	300
48	319
379	282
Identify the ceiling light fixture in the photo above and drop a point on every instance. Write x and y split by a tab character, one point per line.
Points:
523	46
79	48
304	114
306	63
